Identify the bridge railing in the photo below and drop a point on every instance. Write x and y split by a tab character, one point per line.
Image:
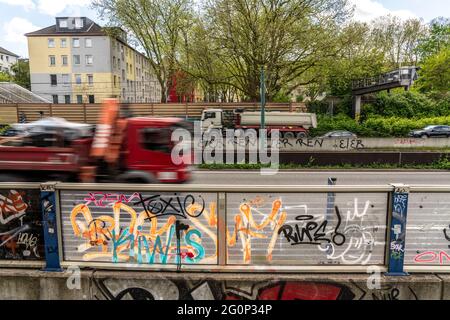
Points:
399	75
207	228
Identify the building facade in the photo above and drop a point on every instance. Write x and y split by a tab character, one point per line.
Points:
77	61
7	60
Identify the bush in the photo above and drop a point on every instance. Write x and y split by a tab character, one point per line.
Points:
376	126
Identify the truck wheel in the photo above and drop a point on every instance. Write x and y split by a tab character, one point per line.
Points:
424	136
301	135
11	178
289	135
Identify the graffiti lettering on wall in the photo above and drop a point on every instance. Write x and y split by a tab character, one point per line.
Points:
163	289
146	229
20	225
292	233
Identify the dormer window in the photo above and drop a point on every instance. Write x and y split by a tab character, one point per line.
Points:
63	23
78	23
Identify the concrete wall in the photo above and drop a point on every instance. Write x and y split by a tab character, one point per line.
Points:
317	144
19	284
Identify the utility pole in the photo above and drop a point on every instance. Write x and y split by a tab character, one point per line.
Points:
263	99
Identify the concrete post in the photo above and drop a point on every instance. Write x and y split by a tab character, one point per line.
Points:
397	229
50	226
357	107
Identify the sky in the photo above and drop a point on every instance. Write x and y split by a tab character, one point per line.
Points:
18	17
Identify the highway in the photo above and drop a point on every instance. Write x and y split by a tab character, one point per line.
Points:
321	177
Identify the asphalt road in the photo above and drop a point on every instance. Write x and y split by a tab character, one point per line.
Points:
321	177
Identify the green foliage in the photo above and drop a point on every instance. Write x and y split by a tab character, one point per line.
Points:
5	77
435	74
405	105
22	74
376	126
281	97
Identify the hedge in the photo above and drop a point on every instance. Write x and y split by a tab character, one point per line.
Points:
376	126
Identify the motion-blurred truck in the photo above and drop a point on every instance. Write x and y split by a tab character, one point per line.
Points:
290	124
120	149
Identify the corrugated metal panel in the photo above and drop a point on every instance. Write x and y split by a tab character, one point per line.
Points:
102	223
21	233
306	229
428	229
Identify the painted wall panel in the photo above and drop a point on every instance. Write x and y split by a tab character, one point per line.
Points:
428	229
21	236
306	229
139	228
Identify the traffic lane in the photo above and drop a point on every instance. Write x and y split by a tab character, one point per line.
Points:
320	178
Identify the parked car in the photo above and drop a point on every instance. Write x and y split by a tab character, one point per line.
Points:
431	132
338	134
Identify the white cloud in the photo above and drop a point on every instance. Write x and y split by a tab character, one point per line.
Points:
13	34
367	10
26	4
52	7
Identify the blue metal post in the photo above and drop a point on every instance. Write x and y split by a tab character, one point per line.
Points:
397	234
48	208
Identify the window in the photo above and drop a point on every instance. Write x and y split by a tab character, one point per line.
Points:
55	99
78	23
89	60
114	62
78	78
67	99
76	42
90	79
52	60
79	98
2	57
88	43
91	99
7	59
64	43
115	81
76	59
156	139
51	43
53	80
65	60
63	23
65	79
209	115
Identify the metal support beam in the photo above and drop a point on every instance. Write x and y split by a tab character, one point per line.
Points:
357	107
397	229
50	226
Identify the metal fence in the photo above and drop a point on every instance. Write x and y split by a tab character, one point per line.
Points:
89	113
209	228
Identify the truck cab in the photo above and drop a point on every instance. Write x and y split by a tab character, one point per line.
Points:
212	119
146	153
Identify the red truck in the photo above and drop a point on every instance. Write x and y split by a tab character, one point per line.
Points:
128	150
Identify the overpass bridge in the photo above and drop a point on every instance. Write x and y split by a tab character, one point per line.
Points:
403	77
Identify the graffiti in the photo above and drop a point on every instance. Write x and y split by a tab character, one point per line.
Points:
297	237
157	229
164	289
101	199
281	228
246	228
398	228
182	207
432	257
20	225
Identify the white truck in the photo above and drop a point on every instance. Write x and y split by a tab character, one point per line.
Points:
290	124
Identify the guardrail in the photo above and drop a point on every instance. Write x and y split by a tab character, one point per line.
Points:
209	228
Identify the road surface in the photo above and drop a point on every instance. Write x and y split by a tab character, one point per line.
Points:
321	177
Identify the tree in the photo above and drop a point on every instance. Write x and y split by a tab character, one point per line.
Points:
437	38
21	74
398	39
288	38
155	25
5	77
435	74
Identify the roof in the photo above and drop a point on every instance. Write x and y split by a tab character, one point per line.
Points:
9	53
93	30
